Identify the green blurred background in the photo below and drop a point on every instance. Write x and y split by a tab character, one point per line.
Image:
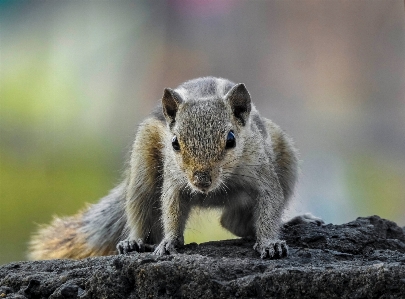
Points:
76	77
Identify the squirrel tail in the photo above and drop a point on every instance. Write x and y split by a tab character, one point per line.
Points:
61	239
95	231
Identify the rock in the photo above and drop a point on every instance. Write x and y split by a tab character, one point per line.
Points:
364	258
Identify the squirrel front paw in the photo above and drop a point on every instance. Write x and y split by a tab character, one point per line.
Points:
271	249
168	246
132	245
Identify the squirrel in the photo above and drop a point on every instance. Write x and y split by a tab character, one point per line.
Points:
205	145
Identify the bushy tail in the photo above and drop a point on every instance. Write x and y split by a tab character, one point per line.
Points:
93	232
61	239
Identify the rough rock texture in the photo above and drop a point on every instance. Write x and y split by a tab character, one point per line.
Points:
361	259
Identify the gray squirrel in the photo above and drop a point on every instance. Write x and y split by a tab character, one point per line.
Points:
205	146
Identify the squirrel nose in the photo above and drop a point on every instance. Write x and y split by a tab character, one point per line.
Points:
202	179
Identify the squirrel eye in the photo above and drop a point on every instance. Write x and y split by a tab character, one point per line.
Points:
230	140
175	143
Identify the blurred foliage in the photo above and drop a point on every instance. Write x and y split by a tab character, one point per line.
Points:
47	165
32	95
376	184
55	182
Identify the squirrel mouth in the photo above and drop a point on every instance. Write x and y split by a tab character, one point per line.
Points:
201	189
202	181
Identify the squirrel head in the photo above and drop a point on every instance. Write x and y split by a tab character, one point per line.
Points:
207	130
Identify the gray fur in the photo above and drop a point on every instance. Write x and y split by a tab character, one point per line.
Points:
246	182
251	182
104	223
257	121
206	87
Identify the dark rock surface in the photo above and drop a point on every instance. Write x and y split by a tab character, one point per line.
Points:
361	259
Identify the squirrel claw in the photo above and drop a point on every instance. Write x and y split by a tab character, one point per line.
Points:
271	249
167	246
127	246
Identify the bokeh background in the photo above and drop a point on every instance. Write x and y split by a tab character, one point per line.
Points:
76	77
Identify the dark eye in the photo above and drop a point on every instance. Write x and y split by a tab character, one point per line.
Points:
175	143
230	140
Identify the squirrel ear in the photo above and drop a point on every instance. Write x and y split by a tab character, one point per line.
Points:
239	100
170	103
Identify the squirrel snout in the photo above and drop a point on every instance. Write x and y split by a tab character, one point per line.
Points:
202	179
